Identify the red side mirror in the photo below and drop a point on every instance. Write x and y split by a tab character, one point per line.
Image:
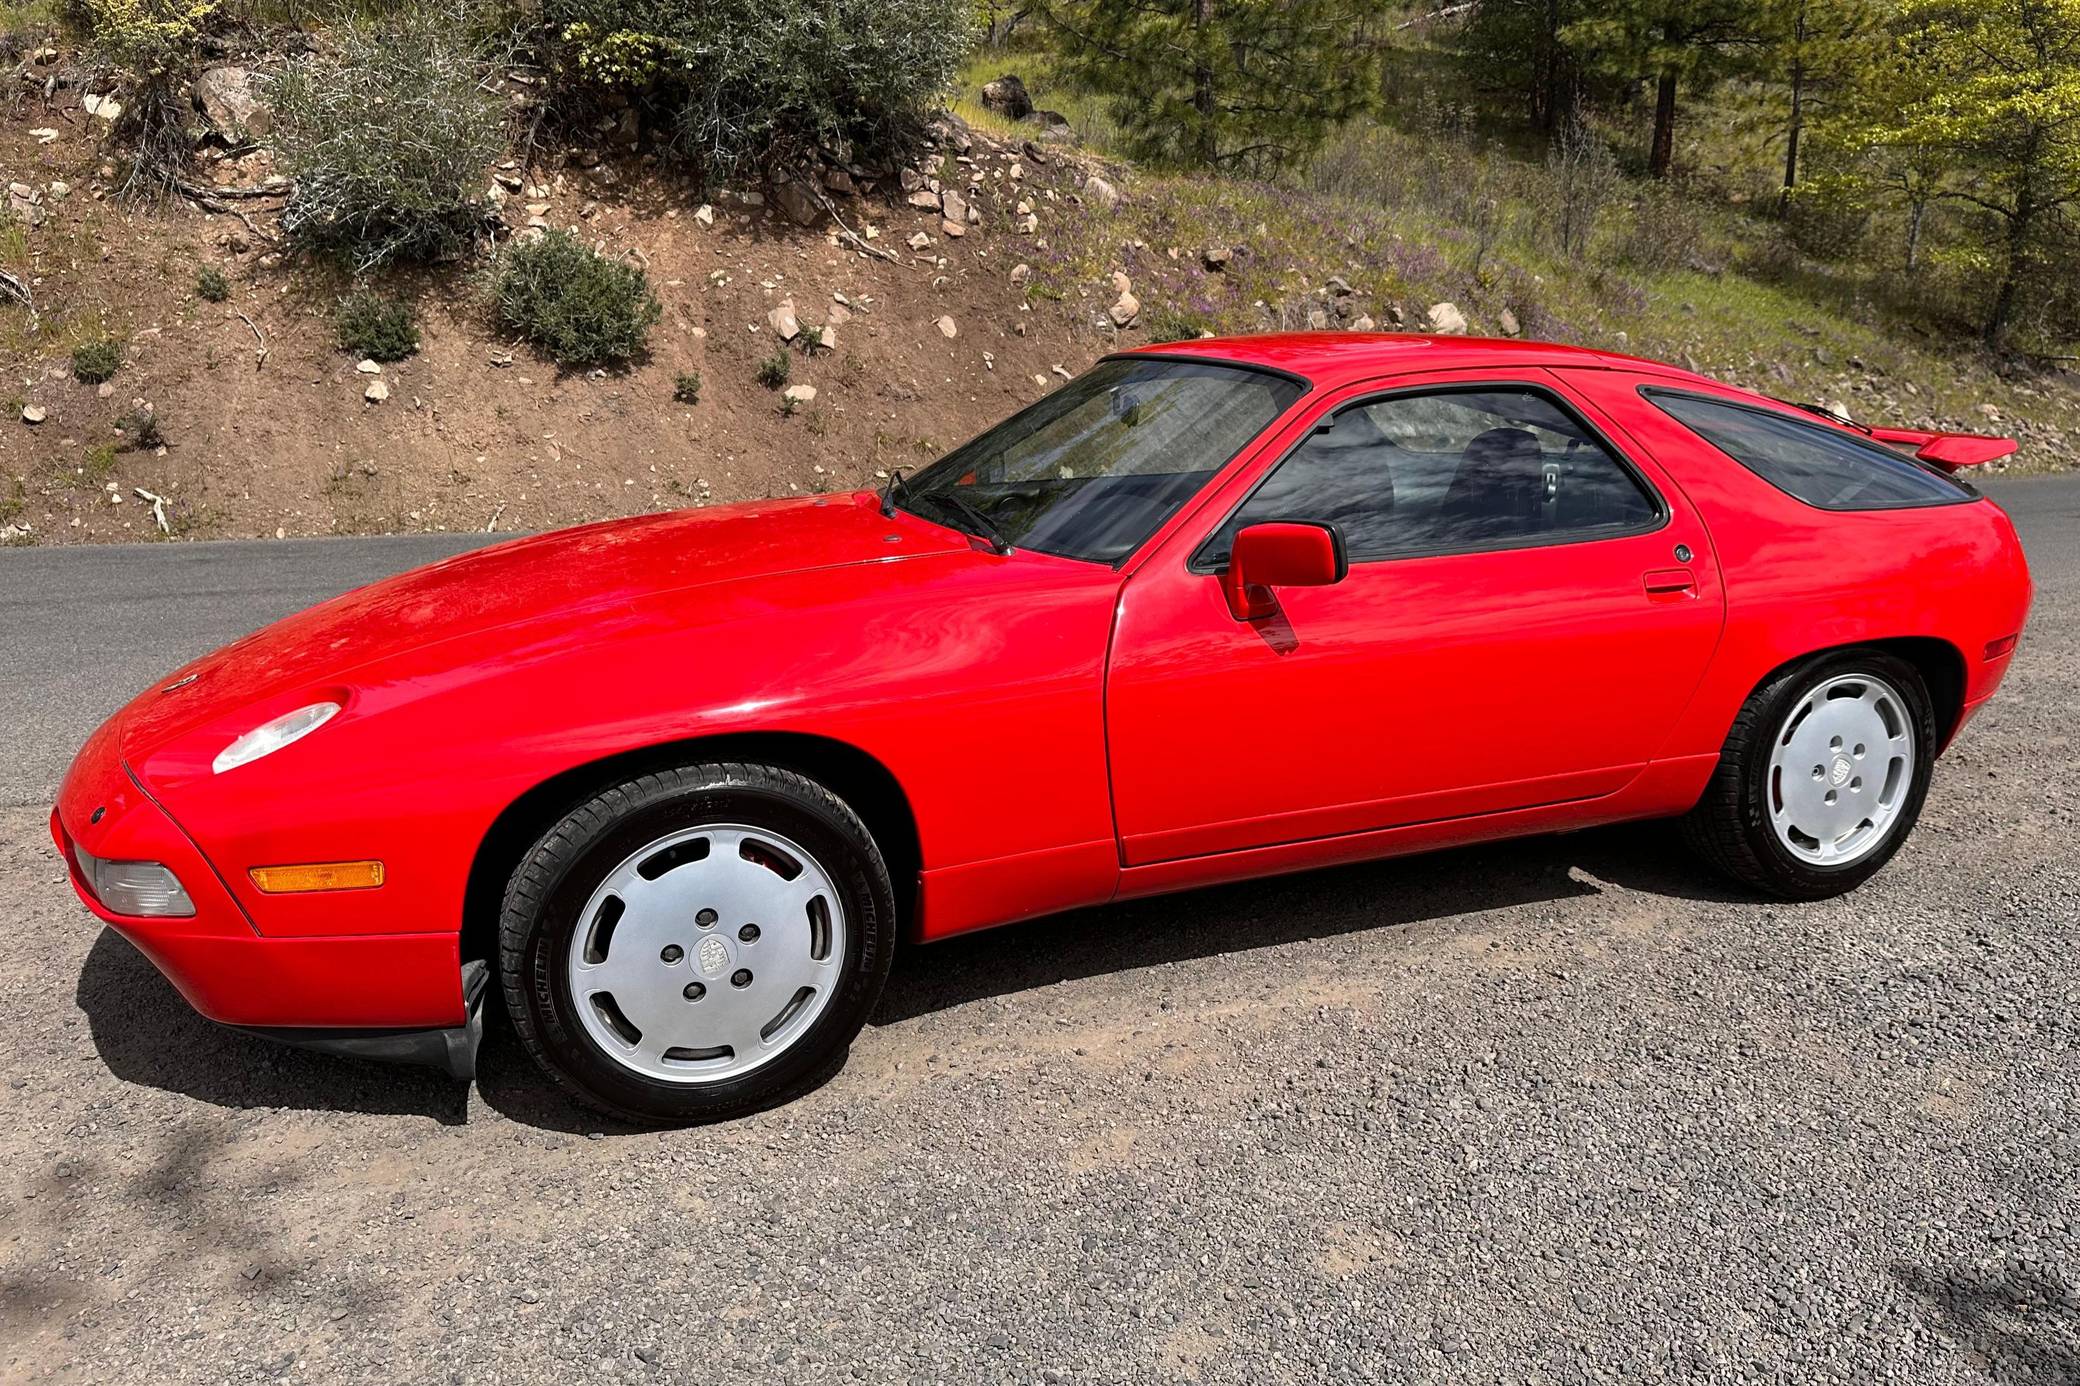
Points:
1285	554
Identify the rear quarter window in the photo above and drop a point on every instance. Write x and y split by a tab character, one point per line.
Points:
1824	467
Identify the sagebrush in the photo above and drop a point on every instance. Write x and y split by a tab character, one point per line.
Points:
749	86
388	134
578	306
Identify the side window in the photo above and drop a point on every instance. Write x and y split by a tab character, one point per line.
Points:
1449	472
1821	466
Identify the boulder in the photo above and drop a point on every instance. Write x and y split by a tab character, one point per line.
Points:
799	394
1506	322
1125	310
1007	96
1444	319
797	204
1099	191
229	100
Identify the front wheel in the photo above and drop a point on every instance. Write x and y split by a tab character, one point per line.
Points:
1821	778
698	942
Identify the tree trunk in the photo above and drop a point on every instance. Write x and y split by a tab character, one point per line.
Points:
1664	152
1797	127
2002	316
1915	212
1798	107
1202	87
1545	96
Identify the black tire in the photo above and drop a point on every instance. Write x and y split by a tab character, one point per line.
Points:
1730	828
549	889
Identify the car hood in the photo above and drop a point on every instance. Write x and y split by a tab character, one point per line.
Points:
599	568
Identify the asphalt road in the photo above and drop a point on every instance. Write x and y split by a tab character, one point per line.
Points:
1563	1110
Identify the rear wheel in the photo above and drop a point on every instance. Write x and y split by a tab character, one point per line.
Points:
697	943
1822	776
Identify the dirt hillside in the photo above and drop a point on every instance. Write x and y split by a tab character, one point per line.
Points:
266	424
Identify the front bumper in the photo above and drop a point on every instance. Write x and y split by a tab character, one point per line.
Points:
223	966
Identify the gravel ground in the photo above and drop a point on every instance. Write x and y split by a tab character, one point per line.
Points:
1554	1111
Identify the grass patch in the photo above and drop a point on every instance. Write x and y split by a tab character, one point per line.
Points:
686	389
774	370
211	285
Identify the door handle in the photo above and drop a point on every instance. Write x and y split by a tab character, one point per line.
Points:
1669	582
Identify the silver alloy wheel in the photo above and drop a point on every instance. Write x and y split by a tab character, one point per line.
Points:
707	953
1841	769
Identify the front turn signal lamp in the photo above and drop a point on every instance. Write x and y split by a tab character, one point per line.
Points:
271	736
144	889
318	875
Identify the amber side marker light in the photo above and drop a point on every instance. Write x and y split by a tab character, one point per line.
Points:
1996	648
318	875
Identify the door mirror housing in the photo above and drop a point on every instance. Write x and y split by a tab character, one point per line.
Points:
1288	553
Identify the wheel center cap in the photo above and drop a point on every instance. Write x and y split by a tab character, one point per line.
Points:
712	956
1842	770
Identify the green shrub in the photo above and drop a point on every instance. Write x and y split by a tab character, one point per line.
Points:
376	327
774	370
575	304
687	388
387	135
751	85
142	425
94	362
211	285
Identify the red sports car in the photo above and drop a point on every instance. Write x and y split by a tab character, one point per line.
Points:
679	785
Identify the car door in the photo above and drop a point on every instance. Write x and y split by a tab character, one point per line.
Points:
1526	612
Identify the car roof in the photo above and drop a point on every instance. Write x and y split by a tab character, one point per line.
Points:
1332	359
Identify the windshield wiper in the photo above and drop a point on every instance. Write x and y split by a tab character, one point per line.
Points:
890	490
984	526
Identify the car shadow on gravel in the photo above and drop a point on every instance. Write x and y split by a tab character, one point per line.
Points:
1290	909
147	1034
2023	1325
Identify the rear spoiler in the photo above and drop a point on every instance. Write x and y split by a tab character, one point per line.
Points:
1947	451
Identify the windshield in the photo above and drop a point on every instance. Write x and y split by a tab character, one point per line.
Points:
1093	469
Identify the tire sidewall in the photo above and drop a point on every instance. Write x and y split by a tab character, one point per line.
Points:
1797	874
841	848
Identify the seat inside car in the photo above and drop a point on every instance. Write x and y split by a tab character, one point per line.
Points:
1499	488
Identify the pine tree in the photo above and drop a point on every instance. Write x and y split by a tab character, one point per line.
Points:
1221	83
1816	47
1522	43
1673	43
